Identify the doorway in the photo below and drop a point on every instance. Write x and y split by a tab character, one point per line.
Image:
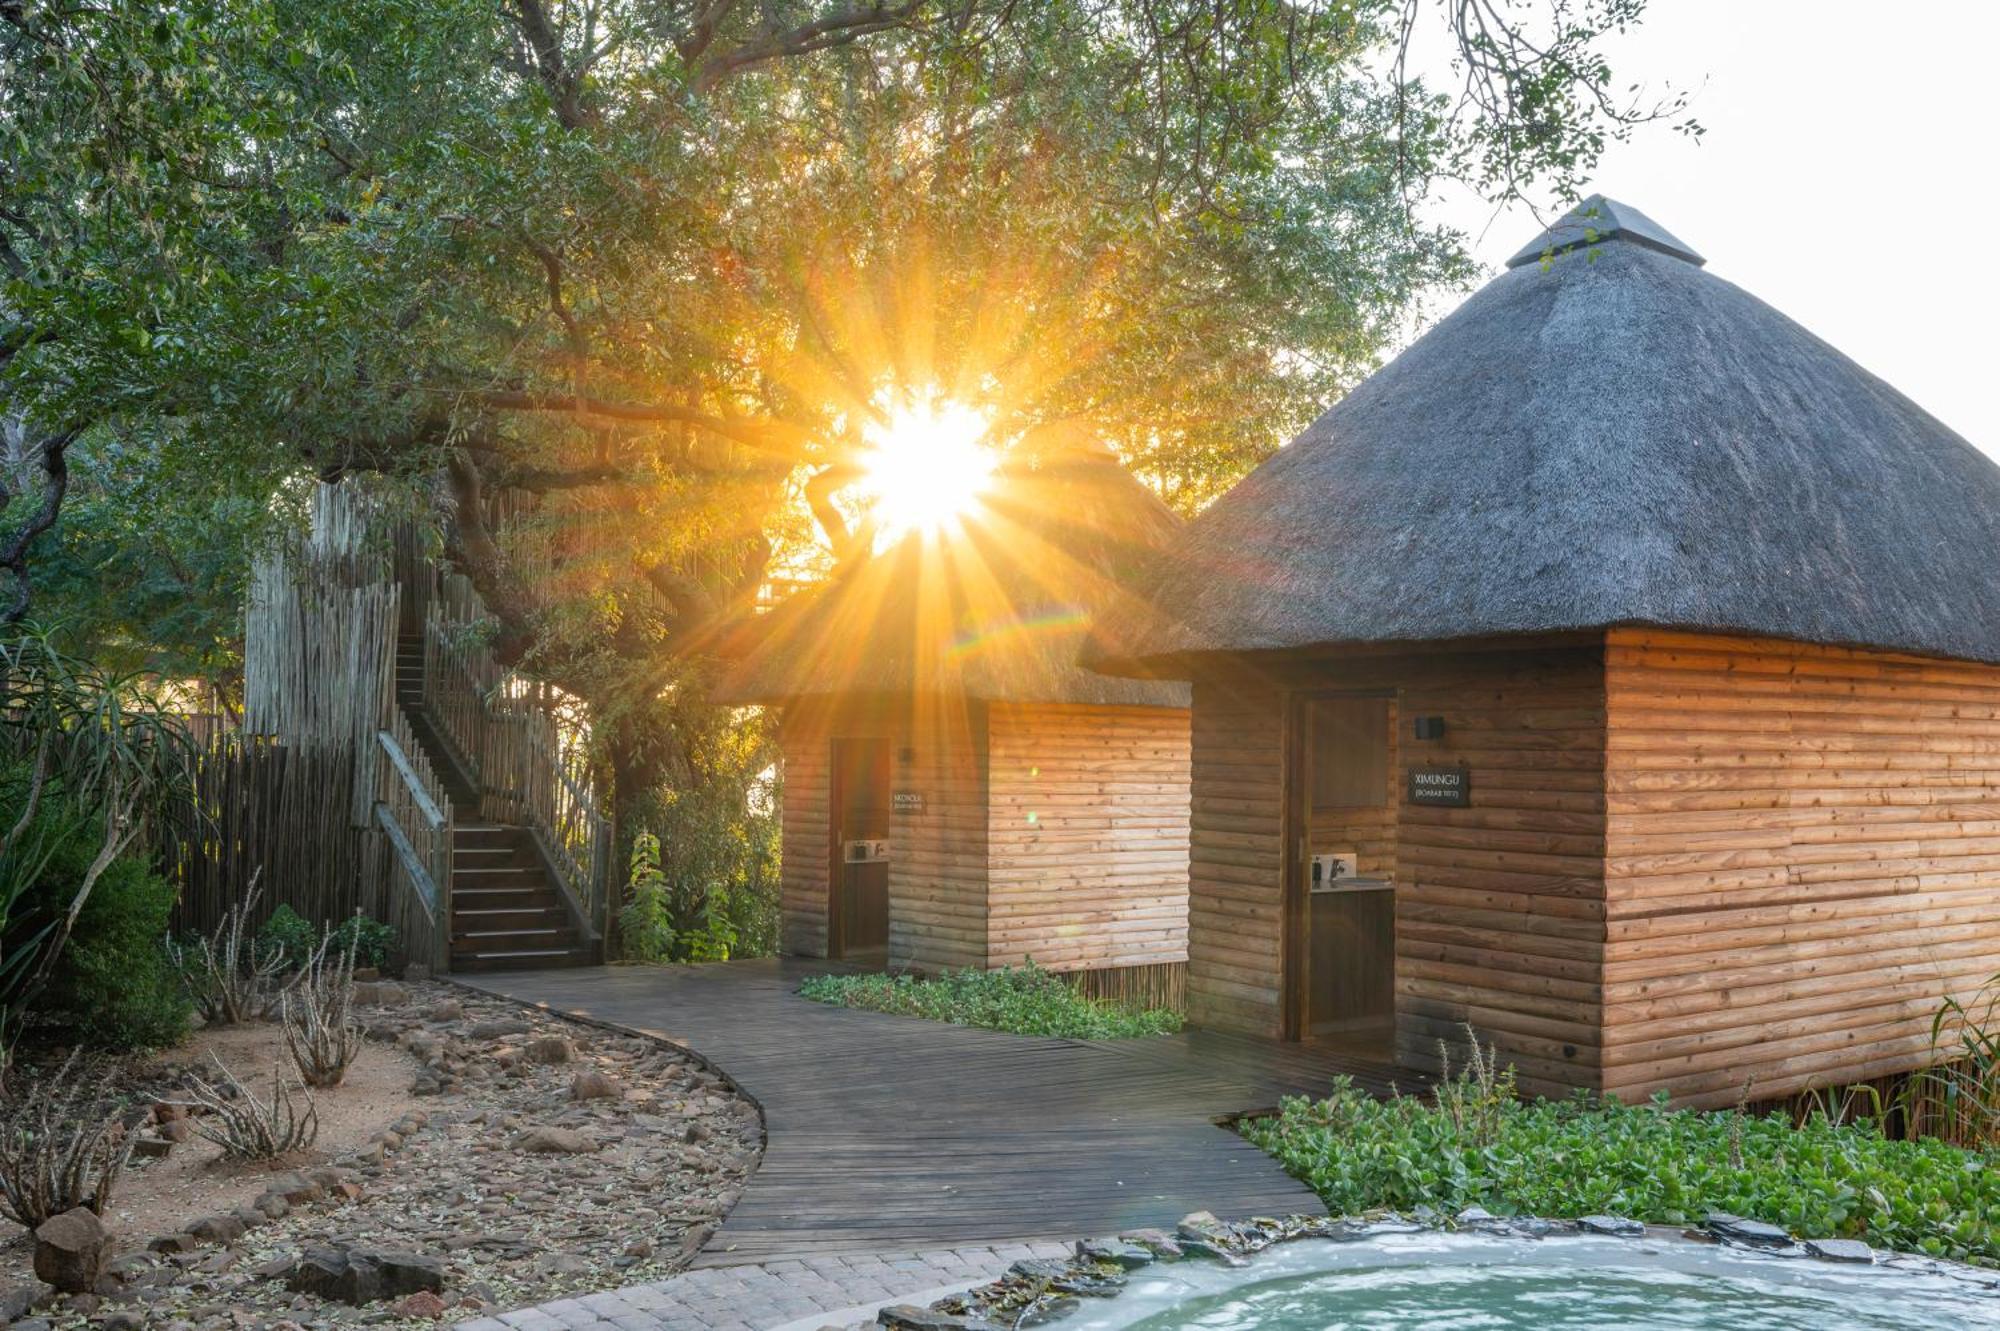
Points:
858	890
1339	891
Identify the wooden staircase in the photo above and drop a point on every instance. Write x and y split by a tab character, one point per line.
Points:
507	912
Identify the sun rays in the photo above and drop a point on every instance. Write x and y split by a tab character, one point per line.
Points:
928	463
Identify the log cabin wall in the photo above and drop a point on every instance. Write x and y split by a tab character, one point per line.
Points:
1088	836
1804	858
937	864
1499	905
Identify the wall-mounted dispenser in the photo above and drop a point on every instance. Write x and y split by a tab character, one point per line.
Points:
1331	867
864	851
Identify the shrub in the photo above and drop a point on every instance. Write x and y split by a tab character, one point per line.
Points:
223	972
247	1128
111	986
56	1154
292	937
318	1013
1024	1000
654	926
1476	1145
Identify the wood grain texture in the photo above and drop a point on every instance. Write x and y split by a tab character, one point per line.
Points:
888	1133
1499	911
1088	836
1803	858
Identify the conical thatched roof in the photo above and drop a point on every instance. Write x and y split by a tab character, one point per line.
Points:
1610	437
997	611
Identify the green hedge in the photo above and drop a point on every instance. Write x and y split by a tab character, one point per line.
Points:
1585	1157
1024	1000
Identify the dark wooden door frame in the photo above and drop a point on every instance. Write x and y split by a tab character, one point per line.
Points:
1294	899
836	817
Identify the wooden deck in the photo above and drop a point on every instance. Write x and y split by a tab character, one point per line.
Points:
895	1133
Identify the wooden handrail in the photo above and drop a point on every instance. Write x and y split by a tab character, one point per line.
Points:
413	864
418	795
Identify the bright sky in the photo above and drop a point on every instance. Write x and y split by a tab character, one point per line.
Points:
1848	178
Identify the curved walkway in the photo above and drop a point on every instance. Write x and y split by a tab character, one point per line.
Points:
886	1133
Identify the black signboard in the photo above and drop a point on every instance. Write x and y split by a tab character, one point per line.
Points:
908	801
1446	787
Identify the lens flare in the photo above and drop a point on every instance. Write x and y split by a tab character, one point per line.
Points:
927	465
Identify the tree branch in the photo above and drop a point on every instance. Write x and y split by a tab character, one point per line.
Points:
54	452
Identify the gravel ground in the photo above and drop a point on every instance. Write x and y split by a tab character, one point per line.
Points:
549	1158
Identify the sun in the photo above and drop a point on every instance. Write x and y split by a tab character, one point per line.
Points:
928	463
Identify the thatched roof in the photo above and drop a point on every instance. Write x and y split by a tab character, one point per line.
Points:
997	611
1613	437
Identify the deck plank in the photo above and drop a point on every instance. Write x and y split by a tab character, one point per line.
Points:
890	1132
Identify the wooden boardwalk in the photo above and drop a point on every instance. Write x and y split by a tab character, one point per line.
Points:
894	1133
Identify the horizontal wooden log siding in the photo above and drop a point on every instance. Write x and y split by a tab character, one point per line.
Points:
937	859
1804	857
1088	836
1499	906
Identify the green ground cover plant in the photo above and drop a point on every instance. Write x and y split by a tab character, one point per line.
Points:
297	938
1474	1143
1023	1000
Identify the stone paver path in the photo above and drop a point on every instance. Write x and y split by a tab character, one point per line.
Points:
892	1134
797	1294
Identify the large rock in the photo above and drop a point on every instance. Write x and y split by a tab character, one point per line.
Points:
550	1049
591	1084
498	1028
362	1275
1753	1233
73	1249
17	1301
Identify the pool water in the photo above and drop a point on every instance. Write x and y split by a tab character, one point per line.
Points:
1430	1282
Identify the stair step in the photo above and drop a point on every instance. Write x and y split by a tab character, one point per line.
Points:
509	917
529	959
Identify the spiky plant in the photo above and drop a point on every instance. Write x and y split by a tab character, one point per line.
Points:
227	976
247	1128
57	1151
318	1012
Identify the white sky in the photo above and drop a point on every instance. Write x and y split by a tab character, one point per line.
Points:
1848	177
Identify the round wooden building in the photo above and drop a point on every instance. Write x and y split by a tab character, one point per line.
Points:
1617	671
957	790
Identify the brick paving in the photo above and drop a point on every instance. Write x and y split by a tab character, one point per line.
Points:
806	1293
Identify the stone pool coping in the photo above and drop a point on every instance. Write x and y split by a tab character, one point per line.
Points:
1042	1292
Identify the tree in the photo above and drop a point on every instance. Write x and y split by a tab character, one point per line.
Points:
625	279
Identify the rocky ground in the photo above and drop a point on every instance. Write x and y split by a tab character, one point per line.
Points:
547	1158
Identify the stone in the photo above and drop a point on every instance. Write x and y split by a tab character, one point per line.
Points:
31	1324
273	1205
447	1009
1754	1233
17	1301
593	1085
553	1141
549	1049
170	1243
380	993
296	1189
1612	1226
357	1276
499	1028
124	1319
1204	1227
1840	1250
1089	1284
217	1229
175	1130
909	1317
73	1249
421	1304
1039	1269
148	1147
1163	1244
1114	1252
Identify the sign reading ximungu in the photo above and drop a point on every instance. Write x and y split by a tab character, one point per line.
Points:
1444	787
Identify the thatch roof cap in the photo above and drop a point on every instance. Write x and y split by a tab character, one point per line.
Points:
996	611
1615	438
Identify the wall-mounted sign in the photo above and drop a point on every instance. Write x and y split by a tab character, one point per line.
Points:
908	801
1445	787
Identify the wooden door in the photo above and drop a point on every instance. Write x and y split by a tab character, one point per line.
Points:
1339	950
858	895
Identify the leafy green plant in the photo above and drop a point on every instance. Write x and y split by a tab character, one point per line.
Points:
295	939
1472	1144
1959	1095
1024	1000
658	924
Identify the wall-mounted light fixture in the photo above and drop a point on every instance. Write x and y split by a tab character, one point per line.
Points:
1428	727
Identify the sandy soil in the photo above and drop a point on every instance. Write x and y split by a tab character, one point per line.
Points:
158	1196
